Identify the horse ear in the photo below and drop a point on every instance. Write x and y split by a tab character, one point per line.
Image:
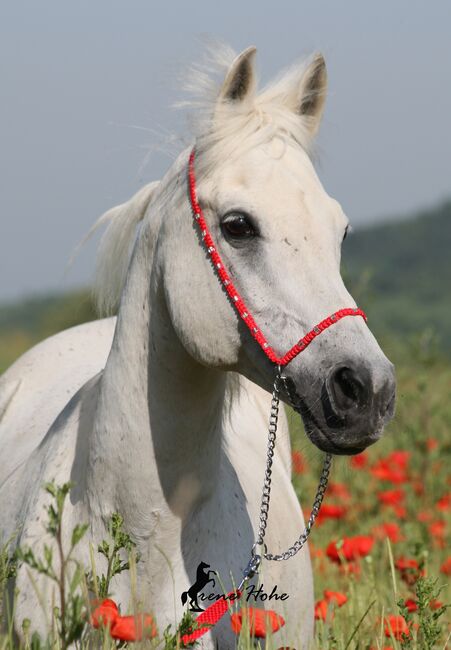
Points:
311	92
240	79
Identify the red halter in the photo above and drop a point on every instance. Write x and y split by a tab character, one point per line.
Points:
235	296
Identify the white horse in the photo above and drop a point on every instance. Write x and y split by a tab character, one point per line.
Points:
161	414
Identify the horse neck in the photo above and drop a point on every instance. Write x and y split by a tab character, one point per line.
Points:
158	427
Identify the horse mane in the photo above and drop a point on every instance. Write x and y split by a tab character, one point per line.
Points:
221	132
116	246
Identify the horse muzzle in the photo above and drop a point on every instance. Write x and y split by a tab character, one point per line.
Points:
353	406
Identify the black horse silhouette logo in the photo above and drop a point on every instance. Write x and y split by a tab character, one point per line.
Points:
202	579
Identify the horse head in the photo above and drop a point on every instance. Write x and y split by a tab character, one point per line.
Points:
280	236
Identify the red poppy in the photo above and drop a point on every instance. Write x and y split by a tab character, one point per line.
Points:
404	563
396	626
391	497
437	531
409	569
390	530
350	568
399	458
134	628
386	474
298	462
400	511
322	609
381	471
325	608
424	515
335	597
258	620
104	613
435	604
446	567
392	468
431	444
330	511
339	490
411	605
351	549
444	503
437	528
359	461
124	628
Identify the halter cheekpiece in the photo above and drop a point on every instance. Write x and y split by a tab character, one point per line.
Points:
237	300
211	616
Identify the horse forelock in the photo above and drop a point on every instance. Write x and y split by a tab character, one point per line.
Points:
222	131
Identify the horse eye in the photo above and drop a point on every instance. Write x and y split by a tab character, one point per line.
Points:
237	226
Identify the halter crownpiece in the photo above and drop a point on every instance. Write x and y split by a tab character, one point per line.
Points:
237	300
215	612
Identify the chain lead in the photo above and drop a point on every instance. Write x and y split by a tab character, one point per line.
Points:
266	493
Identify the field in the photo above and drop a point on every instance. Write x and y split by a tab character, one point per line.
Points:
380	549
396	495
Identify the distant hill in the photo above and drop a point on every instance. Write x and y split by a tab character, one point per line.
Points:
25	323
399	272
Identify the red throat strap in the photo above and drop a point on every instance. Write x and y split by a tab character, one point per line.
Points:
238	302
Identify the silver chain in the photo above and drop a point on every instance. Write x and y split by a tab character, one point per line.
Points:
256	558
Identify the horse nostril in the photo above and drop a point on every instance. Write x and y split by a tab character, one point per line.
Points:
348	389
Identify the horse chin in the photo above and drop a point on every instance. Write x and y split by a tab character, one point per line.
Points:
322	438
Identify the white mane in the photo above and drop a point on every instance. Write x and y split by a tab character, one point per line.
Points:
116	245
221	131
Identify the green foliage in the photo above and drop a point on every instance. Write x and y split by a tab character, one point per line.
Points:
187	625
430	630
8	570
69	614
119	544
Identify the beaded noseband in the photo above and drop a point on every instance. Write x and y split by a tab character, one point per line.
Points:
214	612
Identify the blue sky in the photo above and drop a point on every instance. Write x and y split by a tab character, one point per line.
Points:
85	84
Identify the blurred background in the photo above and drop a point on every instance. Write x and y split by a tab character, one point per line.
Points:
86	117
